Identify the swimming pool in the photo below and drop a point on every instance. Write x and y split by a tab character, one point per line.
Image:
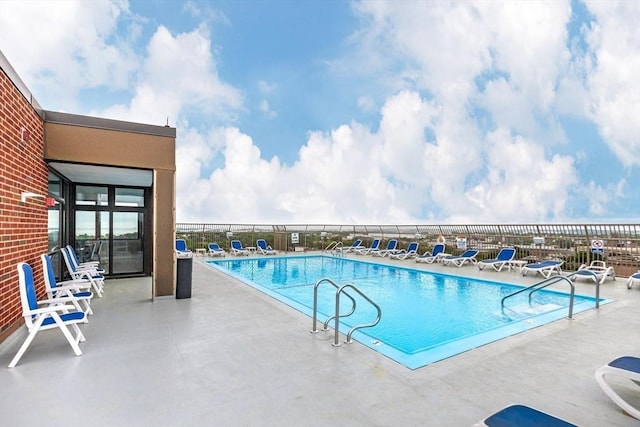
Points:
426	316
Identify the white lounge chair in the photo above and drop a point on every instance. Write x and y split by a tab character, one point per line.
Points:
634	279
213	249
522	416
356	245
545	268
237	249
45	314
375	245
468	256
436	254
503	259
627	367
391	248
410	252
263	248
75	292
596	271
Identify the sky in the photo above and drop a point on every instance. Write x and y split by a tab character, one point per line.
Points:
359	112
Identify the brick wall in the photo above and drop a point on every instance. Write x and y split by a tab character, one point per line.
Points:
23	226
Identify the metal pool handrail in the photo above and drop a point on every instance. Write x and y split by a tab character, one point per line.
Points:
543	284
336	342
341	290
314	330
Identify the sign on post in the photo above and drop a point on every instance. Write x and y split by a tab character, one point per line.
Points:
295	238
597	246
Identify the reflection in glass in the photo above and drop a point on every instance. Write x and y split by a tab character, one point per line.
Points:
127	242
133	197
87	195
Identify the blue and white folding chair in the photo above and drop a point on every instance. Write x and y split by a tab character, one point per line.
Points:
76	291
96	279
45	314
88	265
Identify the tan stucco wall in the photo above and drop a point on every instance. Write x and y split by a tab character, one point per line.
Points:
164	233
107	147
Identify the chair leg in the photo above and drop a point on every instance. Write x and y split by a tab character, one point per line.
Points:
25	345
68	336
625	406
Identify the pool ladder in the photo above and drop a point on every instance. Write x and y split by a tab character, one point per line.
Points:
336	317
335	248
555	279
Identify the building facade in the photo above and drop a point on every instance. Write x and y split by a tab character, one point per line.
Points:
106	187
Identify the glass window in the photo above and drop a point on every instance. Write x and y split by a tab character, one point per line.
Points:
133	197
127	225
91	196
55	185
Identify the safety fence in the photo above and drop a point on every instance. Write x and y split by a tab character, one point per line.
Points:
576	244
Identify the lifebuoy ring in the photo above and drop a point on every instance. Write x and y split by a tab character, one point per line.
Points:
440	239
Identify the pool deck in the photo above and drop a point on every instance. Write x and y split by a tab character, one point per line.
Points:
232	356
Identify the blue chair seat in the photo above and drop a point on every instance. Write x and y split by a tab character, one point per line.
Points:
76	315
524	416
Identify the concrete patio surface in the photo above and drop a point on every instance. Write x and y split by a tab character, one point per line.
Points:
232	356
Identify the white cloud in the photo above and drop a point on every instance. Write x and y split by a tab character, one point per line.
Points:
468	131
266	110
614	41
61	47
178	77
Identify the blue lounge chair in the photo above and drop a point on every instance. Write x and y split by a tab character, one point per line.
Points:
634	279
436	254
45	314
503	259
375	245
215	250
263	248
391	248
237	249
545	268
627	367
356	245
468	256
522	416
181	247
410	252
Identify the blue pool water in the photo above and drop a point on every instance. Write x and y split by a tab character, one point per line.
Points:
426	316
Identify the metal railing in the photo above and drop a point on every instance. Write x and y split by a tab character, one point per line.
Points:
336	317
533	242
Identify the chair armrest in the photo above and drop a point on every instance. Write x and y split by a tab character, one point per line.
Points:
51	308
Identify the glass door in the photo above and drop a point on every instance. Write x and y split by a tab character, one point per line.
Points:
110	227
127	242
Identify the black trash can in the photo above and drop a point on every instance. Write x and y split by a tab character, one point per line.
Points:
183	281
